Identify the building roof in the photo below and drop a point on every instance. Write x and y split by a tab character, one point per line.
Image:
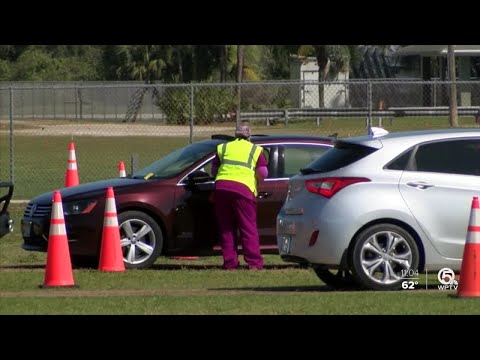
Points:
438	50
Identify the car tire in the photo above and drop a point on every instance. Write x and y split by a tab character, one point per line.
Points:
340	280
382	255
139	250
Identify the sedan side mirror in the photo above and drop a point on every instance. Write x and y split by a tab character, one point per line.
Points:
199	177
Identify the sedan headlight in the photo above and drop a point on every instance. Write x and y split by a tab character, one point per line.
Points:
79	207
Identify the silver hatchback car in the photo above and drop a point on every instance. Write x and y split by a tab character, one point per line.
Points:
373	211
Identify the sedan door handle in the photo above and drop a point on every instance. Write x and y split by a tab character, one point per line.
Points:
263	194
420	185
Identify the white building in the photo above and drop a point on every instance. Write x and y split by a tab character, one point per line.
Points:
335	92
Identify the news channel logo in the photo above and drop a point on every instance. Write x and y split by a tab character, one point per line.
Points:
446	277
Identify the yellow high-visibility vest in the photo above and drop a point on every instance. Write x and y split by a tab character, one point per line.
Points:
238	162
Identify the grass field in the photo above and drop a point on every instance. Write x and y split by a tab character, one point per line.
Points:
41	153
200	287
181	286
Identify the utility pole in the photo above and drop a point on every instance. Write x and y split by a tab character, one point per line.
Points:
240	58
452	76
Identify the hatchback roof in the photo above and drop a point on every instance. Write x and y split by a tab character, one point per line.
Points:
290	137
412	137
276	137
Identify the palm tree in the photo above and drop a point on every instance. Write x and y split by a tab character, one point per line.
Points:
143	63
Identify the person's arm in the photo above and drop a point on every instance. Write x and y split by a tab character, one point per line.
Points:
215	165
261	170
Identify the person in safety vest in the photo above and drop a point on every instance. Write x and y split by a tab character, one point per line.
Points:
238	167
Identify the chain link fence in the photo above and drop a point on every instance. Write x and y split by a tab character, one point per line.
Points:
138	123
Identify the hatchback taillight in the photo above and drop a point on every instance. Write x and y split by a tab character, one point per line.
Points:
328	187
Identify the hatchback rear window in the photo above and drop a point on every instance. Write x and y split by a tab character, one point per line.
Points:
341	155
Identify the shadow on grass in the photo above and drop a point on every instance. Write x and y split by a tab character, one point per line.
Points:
22	267
157	267
320	288
285	289
217	267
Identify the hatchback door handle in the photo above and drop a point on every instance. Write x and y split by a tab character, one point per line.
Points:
263	194
420	185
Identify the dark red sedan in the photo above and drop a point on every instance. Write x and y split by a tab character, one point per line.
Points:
164	209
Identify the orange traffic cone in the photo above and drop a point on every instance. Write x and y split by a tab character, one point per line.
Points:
59	267
111	256
71	176
469	284
121	169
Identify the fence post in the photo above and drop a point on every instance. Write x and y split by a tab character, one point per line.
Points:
33	103
12	164
369	100
54	103
192	93
134	160
239	104
286	117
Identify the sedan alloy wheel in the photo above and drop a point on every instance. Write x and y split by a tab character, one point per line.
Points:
141	239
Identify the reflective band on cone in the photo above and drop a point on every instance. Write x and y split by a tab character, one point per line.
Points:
111	256
469	284
121	169
71	176
58	270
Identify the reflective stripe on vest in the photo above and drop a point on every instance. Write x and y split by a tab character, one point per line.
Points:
233	167
247	164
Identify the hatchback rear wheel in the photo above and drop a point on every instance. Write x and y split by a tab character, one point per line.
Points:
141	239
382	256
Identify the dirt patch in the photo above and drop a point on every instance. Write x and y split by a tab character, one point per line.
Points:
51	128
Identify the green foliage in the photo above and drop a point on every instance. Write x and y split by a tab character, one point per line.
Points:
141	62
306	50
11	52
284	96
5	70
276	63
210	104
37	64
258	97
166	63
175	104
340	58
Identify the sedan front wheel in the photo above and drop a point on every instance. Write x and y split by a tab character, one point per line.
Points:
141	239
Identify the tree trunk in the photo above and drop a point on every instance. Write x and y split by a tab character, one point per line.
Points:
194	63
323	67
453	86
223	62
179	63
240	56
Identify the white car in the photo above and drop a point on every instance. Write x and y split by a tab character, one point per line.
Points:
377	209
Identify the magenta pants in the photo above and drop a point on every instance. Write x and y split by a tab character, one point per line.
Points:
237	213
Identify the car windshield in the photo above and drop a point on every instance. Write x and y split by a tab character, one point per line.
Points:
176	162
